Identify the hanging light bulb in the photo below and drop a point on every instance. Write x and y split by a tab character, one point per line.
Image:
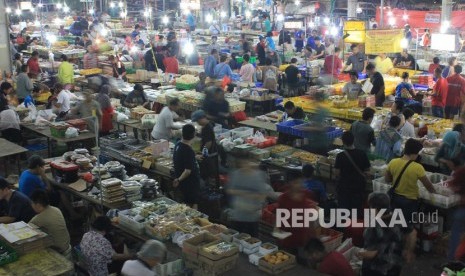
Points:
326	20
389	13
120	4
104	32
297	2
248	13
334	30
37	23
146	13
32	9
18	12
40	5
165	20
280	17
223	14
66	9
405	17
392	21
123	14
59	6
209	18
188	48
112	5
359	10
8	10
311	24
91	11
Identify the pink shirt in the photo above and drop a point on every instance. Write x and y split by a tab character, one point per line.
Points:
247	72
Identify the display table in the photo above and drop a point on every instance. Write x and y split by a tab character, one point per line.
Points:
46	133
270	126
7	149
45	262
136	126
269	98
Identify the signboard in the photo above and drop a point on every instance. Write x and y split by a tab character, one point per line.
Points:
383	41
354	26
355	37
443	42
293	25
432	18
25	5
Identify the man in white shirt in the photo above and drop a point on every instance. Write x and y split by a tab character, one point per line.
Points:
63	101
150	255
165	121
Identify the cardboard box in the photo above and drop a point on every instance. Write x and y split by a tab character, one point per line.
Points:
213	268
250	245
193	245
215	257
159	147
275	269
267	248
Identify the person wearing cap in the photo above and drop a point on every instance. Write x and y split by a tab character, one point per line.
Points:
151	254
213	45
34	177
50	219
65	71
209	165
319	49
98	250
137	97
165	122
14	205
260	50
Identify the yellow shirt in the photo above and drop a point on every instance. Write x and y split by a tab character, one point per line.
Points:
383	66
408	186
66	73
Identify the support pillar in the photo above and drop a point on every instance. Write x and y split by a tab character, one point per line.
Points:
351	9
5	63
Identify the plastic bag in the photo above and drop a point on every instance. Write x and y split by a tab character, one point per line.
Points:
377	123
71	132
258	138
120	117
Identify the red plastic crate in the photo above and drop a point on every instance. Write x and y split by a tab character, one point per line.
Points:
269	141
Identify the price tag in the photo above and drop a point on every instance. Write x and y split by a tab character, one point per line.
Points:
146	164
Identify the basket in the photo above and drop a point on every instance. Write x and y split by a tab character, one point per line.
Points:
138	115
58	131
236	106
288	126
11	257
331	132
334	240
130	224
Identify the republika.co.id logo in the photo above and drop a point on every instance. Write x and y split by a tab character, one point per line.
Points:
298	218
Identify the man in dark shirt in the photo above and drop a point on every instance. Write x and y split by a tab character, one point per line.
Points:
378	84
216	107
358	60
351	165
186	168
363	133
319	49
406	60
294	112
150	64
14	205
293	75
209	164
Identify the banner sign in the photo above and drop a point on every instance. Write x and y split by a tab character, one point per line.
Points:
432	18
383	41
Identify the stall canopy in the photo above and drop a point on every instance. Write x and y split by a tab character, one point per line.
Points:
422	19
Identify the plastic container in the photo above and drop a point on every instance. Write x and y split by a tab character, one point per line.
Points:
58	130
242	132
128	222
287	126
9	256
64	171
80	124
267	248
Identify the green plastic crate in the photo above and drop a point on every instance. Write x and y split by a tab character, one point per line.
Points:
58	132
185	86
7	254
252	59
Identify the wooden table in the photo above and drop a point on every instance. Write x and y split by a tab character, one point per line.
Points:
7	149
270	126
270	98
136	126
46	133
46	262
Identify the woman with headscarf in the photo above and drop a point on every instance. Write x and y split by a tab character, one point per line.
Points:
103	98
450	154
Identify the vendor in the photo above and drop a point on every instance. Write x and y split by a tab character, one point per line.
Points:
408	129
186	169
34	177
201	85
246	48
103	98
439	94
270	42
319	49
24	85
213	45
352	89
85	41
210	62
216	106
270	76
151	254
17	63
455	93
222	69
405	92
88	108
328	263
389	142
406	60
97	250
136	31
65	71
209	164
137	98
449	69
451	154
119	70
50	219
5	89
14	205
10	125
311	184
396	110
62	103
33	64
364	135
293	112
260	49
378	84
383	63
293	75
333	64
90	59
247	71
165	121
358	60
434	65
171	64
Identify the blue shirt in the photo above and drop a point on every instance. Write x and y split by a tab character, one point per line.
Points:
29	182
209	66
311	42
267	25
221	70
190	20
316	187
399	88
271	44
299	43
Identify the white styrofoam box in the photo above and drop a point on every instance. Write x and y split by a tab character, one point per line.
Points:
249	251
262	250
380	185
440	200
255	258
228	235
238	238
247	245
242	132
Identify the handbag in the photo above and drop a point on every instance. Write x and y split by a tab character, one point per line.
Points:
396	183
